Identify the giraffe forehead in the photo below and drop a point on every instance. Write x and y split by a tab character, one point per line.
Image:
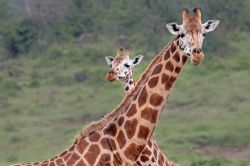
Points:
193	26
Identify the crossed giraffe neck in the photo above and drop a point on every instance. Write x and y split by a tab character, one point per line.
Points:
151	154
121	136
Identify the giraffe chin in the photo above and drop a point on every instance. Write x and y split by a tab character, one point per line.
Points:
196	58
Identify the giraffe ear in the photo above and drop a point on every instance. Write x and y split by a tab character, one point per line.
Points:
136	60
173	28
109	60
210	25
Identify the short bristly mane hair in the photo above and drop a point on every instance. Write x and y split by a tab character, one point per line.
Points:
97	125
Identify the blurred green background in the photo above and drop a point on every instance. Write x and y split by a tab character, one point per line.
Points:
52	76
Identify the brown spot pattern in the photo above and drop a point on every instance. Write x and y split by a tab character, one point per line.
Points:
161	160
169	66
184	59
157	69
73	158
92	154
144	158
155	99
132	152
132	110
117	159
104	160
111	129
167	55
82	146
121	139
142	97
173	48
94	137
130	127
108	143
143	132
153	82
146	151
120	121
177	69
149	114
164	78
176	57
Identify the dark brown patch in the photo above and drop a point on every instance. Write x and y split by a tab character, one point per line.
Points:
67	156
73	158
144	158
164	78
173	48
121	139
157	69
132	152
169	84
146	151
60	161
167	55
155	153
169	66
177	42
150	143
142	97
117	160
127	88
72	148
176	57
94	137
177	69
82	146
111	129
155	99
130	127
108	143
104	160
120	121
63	153
143	132
92	154
132	110
149	114
161	160
184	59
80	163
153	82
130	82
153	159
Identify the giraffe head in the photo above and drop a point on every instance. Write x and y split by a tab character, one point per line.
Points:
192	33
121	66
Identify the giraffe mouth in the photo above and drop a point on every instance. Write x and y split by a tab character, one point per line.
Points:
197	58
111	76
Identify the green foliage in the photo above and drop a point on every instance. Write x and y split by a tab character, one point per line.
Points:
18	37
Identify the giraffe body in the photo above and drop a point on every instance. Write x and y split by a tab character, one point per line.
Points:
120	137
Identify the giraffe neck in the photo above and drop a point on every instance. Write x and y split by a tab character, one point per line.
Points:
140	118
128	84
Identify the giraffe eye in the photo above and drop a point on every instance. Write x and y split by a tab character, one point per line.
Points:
126	65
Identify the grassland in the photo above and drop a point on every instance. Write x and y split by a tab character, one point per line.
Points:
45	101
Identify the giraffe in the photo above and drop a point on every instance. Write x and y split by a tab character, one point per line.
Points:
123	66
120	137
122	69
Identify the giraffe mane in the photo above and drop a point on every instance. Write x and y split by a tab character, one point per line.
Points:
97	125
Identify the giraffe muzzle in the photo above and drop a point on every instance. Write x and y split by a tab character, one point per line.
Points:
111	76
196	58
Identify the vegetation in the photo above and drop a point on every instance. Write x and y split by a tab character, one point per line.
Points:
52	70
